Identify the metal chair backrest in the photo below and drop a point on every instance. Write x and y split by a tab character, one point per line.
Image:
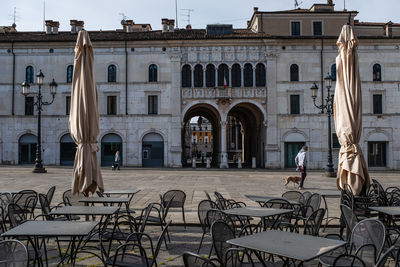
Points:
306	196
50	194
220	233
368	231
349	217
178	196
236	257
214	215
293	195
207	195
313	222
314	201
16	214
13	253
44	204
3	227
5	199
392	251
202	209
191	259
130	254
27	200
348	261
145	217
161	238
72	200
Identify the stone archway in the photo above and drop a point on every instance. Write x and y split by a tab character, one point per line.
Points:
212	115
245	134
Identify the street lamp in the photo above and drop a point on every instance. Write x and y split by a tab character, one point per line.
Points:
327	104
39	103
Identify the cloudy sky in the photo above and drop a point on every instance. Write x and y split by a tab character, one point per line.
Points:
105	14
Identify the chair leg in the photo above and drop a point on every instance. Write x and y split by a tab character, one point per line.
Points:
183	216
201	242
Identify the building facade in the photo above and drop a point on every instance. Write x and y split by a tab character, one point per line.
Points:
252	85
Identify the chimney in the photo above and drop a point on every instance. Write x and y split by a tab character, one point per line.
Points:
73	22
388	29
49	24
164	25
128	26
188	27
255	9
55	26
171	25
330	2
79	25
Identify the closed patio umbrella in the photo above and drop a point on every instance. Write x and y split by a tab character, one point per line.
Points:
84	119
352	168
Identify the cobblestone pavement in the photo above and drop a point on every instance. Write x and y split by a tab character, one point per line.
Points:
231	183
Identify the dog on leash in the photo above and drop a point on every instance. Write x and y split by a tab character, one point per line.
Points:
293	179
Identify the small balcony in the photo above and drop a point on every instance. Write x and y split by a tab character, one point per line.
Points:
224	93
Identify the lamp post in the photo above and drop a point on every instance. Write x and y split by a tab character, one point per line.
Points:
327	105
39	103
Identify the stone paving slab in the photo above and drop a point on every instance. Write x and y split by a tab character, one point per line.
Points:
231	183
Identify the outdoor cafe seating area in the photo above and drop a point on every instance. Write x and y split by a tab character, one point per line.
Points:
294	229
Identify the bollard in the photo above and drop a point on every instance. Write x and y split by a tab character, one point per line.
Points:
208	162
239	163
194	163
253	162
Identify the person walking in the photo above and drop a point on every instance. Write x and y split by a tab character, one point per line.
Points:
117	160
301	163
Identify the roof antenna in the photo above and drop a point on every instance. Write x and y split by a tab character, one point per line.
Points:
123	18
176	13
296	4
188	14
44	14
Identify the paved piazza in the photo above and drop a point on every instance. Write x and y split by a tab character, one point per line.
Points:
232	183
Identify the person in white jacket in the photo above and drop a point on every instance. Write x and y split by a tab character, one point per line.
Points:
301	163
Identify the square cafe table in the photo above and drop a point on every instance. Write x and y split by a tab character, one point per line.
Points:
260	212
34	230
122	192
390	213
287	245
86	211
262	199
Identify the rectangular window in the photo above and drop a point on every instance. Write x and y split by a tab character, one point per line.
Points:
294	104
335	141
152	104
295	26
317	28
206	139
111	105
67	104
29	105
377	100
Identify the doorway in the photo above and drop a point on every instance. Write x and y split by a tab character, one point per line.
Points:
291	151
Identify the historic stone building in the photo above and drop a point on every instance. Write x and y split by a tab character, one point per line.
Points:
252	85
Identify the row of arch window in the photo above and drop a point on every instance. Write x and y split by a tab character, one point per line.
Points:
111	73
220	76
376	72
210	77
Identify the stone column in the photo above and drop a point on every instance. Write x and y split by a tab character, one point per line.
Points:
229	77
204	78
254	77
242	80
192	73
216	77
272	140
224	156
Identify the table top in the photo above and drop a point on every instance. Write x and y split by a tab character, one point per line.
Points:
256	211
122	191
105	199
267	198
51	228
393	210
85	210
287	244
328	193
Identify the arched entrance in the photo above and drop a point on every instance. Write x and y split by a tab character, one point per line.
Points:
67	150
152	150
27	149
245	134
110	143
209	125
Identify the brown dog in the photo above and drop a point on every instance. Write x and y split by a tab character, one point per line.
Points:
293	179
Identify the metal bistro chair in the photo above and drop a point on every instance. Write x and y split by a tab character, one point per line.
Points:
129	254
281	220
346	260
313	222
16	215
27	200
191	259
202	209
179	198
13	253
220	233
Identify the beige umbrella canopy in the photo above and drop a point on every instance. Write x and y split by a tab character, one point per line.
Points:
352	168
84	119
